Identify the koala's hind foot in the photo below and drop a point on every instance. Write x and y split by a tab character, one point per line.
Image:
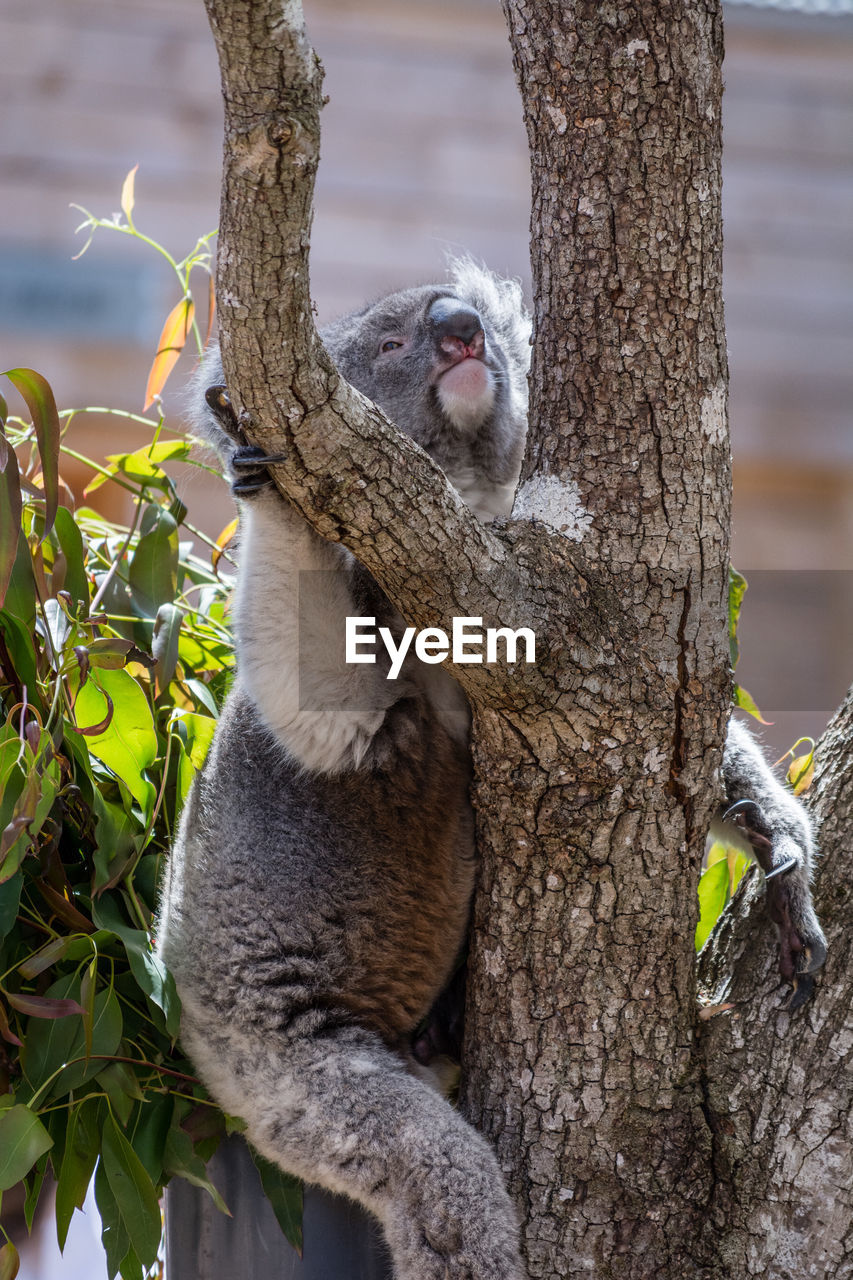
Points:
802	947
248	462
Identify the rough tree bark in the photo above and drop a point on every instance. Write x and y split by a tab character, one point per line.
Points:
633	1146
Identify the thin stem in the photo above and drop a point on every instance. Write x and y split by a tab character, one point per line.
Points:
111	572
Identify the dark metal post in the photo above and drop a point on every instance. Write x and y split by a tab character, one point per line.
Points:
342	1241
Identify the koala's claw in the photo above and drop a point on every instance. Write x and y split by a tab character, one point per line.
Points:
251	464
219	403
749	816
804	985
802	949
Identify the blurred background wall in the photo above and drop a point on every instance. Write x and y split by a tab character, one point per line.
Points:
424	153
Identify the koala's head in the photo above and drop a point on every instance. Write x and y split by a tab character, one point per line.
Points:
448	364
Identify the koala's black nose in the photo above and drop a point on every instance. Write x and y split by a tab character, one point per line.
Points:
450	318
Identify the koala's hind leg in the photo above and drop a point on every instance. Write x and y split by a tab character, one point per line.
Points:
766	817
342	1111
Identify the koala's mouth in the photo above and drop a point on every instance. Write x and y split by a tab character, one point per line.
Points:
466	392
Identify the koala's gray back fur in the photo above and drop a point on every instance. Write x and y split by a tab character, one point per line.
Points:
317	895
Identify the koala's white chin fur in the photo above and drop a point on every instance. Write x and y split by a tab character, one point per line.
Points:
466	393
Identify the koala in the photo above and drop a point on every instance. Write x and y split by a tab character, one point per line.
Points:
317	895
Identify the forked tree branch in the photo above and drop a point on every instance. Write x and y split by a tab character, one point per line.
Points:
353	476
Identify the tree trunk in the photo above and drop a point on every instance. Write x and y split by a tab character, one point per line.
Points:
633	1146
780	1088
581	1054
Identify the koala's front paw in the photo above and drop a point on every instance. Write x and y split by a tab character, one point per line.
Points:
248	462
802	946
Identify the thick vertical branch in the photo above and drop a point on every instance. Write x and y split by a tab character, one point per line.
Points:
780	1086
581	1054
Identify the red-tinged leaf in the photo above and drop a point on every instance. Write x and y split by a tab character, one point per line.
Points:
43	958
93	730
4	411
64	909
43	1006
128	199
81	653
6	1031
171	344
10	835
221	544
211	307
42	406
10	514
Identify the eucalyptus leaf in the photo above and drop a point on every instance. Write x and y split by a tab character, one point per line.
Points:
133	1191
128	746
180	1158
114	1236
50	1044
23	1138
153	571
82	1144
148	969
713	895
284	1193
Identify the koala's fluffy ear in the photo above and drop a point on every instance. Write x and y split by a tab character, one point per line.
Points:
501	301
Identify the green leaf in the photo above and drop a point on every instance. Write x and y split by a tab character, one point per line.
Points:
116	840
119	1083
148	969
34	1184
284	1193
713	895
148	1140
20	597
114	1235
21	647
113	653
164	643
50	1044
23	1138
78	1164
142	464
153	570
10	514
128	745
180	1158
746	702
10	897
133	1191
42	406
737	591
70	540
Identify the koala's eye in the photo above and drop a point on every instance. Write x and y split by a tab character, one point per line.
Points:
390	344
